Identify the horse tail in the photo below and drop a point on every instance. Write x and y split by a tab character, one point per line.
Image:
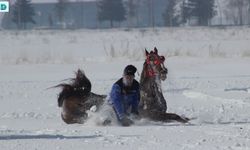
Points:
80	87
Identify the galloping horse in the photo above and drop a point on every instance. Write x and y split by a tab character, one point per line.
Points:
76	97
152	103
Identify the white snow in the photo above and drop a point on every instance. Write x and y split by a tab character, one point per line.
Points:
78	46
213	90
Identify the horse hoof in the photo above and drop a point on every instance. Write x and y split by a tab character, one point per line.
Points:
184	120
106	122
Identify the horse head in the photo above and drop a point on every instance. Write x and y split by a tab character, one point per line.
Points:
155	65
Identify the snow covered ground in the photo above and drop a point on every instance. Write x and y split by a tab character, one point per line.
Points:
79	46
212	89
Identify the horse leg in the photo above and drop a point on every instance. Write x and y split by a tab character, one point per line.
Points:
167	117
172	116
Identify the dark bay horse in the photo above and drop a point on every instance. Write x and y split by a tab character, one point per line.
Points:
76	97
152	103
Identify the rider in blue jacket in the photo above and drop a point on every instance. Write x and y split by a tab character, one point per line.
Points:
125	96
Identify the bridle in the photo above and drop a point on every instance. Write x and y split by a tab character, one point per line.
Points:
158	60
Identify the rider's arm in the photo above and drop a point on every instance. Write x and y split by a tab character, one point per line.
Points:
115	97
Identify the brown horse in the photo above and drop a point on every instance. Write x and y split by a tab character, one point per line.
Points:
152	103
76	98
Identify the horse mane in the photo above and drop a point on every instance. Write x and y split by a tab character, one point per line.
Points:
80	87
143	74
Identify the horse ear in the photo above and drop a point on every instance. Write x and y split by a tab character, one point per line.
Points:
156	51
146	52
162	58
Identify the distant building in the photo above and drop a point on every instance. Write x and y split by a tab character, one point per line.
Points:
83	14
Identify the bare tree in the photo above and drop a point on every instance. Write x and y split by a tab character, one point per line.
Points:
168	15
248	10
231	16
50	20
61	7
219	11
151	15
138	4
131	12
183	12
237	9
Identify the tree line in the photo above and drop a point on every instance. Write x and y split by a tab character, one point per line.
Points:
177	12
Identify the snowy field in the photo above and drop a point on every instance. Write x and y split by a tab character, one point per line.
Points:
78	46
208	80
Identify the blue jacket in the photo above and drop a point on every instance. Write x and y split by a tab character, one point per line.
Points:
124	99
